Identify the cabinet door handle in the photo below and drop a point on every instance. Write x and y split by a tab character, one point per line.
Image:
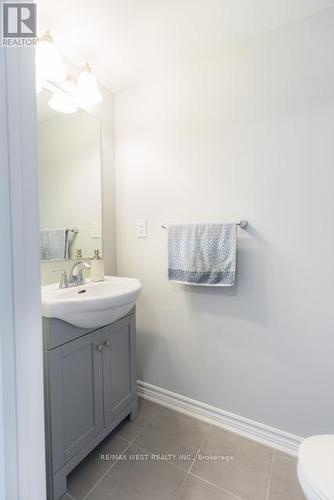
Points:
99	347
107	343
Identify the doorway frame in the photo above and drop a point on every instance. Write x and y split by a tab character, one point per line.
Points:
22	435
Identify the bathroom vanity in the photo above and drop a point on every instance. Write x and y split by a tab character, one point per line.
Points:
88	320
90	387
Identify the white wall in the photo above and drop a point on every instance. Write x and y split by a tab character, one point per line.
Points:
246	134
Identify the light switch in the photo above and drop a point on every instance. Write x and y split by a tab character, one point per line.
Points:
95	231
141	228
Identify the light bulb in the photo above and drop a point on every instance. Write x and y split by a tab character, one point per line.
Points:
48	60
87	89
62	103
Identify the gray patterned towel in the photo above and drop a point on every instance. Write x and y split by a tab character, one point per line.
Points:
202	254
54	244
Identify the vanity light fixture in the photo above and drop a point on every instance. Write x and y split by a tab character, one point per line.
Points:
69	92
87	89
49	63
62	103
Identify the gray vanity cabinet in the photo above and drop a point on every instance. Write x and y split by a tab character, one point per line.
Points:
75	383
119	378
90	387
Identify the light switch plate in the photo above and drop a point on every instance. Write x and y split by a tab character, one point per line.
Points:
141	228
95	231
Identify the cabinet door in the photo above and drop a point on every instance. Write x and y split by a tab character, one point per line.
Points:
76	404
119	374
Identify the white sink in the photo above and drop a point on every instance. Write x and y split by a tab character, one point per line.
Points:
91	305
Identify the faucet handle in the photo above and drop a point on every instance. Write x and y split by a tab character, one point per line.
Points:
63	279
79	266
76	275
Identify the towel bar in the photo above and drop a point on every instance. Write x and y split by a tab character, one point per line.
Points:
242	224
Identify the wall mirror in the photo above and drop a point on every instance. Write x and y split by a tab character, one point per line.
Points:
69	157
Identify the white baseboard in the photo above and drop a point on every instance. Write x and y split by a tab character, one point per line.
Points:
264	434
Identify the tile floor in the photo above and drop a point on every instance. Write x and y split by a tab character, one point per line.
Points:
164	455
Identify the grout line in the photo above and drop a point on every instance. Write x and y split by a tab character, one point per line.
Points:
181	485
121	438
69	496
148	422
186	472
106	472
181	469
270	475
215	485
192	463
167	461
162	461
189	473
200	447
129	443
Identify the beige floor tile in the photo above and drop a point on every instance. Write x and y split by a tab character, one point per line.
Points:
92	468
246	474
284	482
146	410
174	435
139	480
164	433
196	489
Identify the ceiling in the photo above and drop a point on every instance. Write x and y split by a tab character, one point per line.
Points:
126	41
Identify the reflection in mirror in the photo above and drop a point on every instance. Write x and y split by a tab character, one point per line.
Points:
69	156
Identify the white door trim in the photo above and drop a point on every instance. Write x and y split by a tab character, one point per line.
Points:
22	451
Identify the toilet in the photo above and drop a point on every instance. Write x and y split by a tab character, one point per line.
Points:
316	467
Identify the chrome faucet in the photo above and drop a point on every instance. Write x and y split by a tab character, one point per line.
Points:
75	277
63	278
